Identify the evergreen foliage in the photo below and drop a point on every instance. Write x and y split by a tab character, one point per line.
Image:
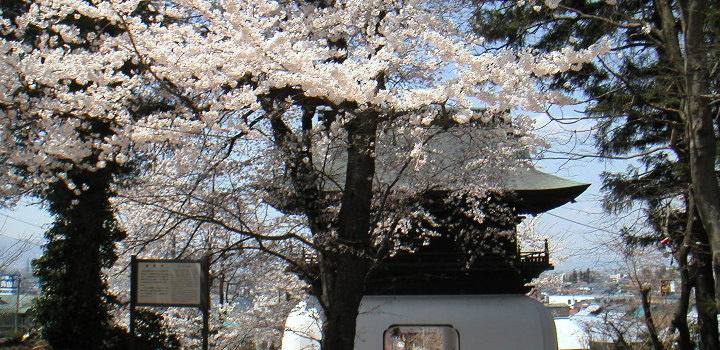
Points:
637	95
152	333
634	95
74	310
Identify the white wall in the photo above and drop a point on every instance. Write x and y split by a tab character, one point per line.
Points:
494	322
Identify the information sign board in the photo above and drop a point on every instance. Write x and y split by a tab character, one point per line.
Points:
9	284
169	283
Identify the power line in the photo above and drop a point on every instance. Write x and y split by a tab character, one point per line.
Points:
580	223
21	240
20	220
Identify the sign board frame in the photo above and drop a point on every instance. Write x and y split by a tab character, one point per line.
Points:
160	280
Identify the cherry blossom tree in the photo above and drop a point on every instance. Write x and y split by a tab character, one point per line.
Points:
345	109
317	123
58	102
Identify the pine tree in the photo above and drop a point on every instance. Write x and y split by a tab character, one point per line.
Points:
648	102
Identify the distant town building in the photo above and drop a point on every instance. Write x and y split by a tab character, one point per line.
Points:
569	300
14	313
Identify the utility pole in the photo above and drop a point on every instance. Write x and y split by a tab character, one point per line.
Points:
17	279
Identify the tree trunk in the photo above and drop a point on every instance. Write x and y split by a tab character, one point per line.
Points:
705	294
649	322
341	302
679	321
699	128
346	263
221	290
73	310
690	60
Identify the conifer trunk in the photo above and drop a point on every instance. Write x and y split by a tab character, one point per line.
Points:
705	294
649	321
679	321
699	128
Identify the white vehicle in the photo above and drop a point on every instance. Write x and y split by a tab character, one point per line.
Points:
435	322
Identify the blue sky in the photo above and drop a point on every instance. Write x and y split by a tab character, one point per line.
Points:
584	232
582	229
25	224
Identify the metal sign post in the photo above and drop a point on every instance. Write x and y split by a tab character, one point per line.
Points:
205	300
10	285
133	298
17	304
170	282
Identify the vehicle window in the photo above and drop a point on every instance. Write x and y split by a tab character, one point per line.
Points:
421	337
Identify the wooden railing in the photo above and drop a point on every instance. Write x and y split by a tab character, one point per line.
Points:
443	260
534	258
